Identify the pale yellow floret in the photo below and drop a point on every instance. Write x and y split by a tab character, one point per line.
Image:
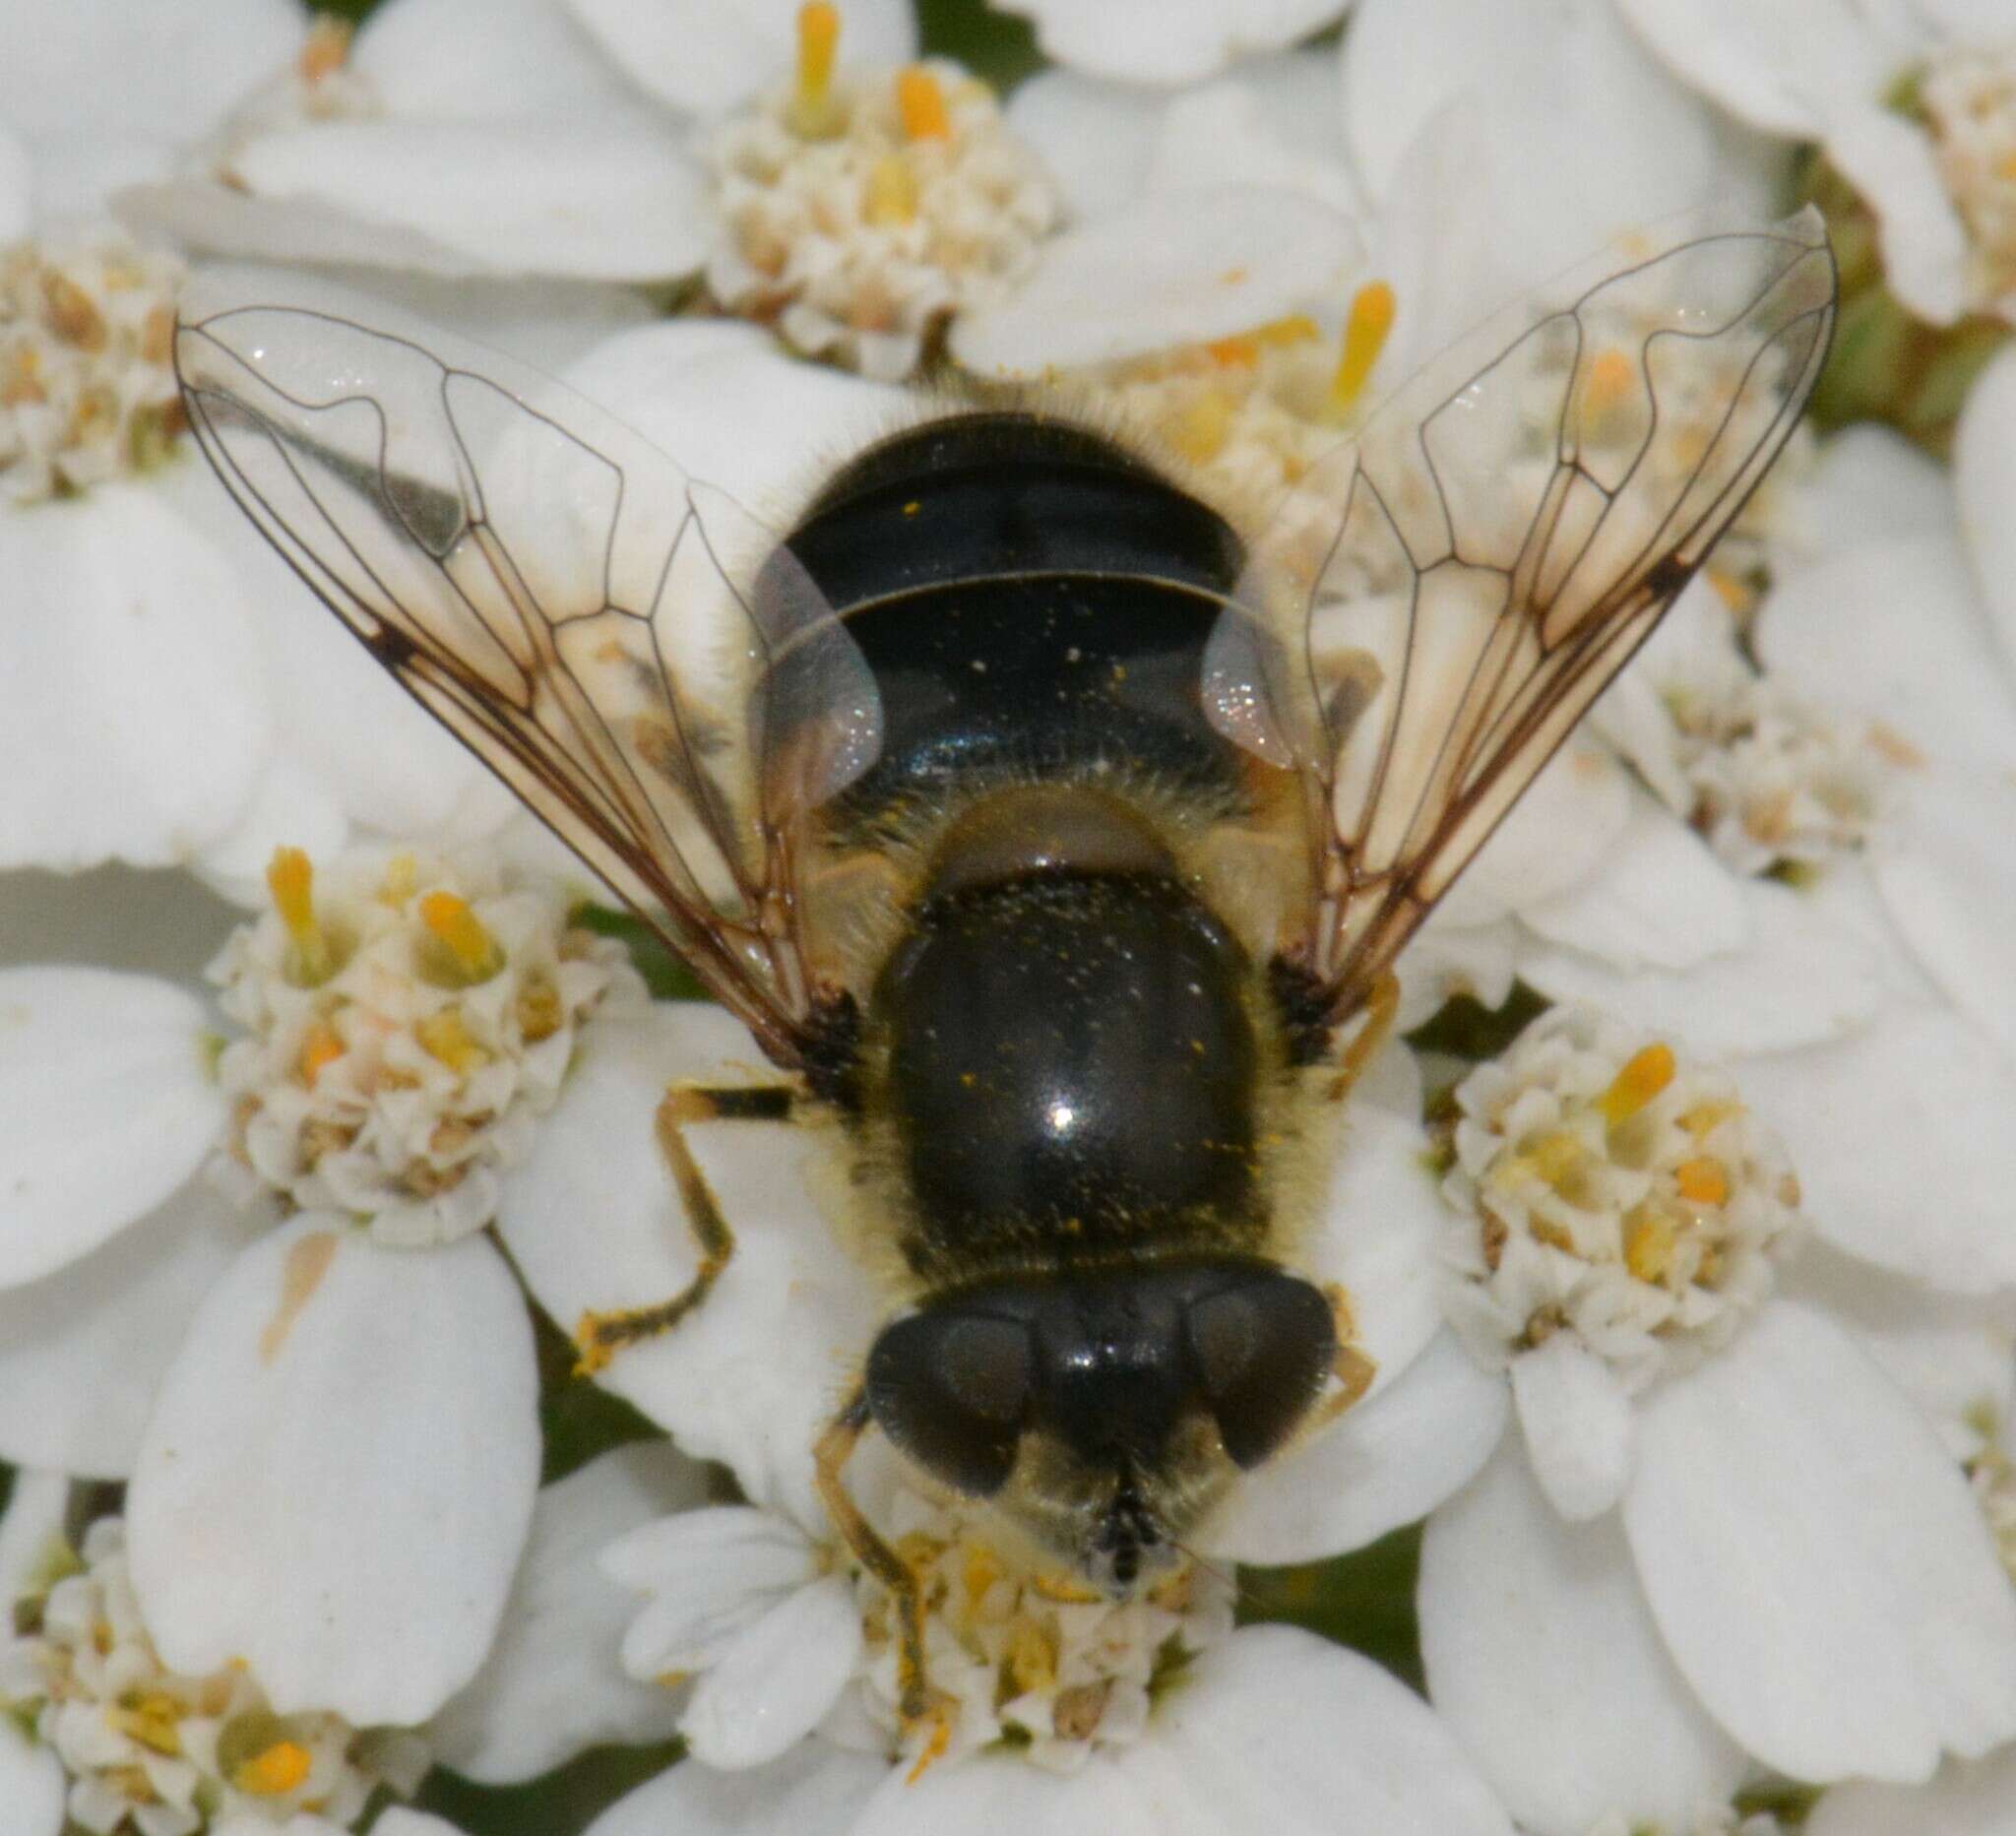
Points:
1643	1075
920	106
470	951
291	878
892	198
813	111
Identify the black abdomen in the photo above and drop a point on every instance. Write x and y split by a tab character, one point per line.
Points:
1072	1070
1034	603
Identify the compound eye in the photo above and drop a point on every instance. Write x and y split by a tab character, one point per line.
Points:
952	1391
1262	1351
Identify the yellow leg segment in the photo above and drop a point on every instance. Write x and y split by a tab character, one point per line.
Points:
599	1336
1380	1008
829	1456
1354	1370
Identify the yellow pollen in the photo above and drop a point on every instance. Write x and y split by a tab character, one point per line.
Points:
892	198
982	1569
1365	336
447	1039
1200	431
274	1771
1703	1181
154	1720
291	878
1643	1077
934	1748
472	948
1649	1240
329	44
920	102
1032	1657
322	1046
812	112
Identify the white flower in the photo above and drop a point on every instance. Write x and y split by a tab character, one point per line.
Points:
1168	41
160	1753
1686	1567
860	211
1915	106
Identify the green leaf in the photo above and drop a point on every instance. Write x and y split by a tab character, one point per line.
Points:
996	47
668	978
1364	1600
579	1419
562	1803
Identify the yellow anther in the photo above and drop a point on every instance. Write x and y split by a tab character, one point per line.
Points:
982	1568
273	1770
892	198
934	1748
1704	1118
447	1039
471	952
1649	1240
920	106
322	1045
1643	1077
154	1720
1365	336
1032	1657
1201	430
291	878
1241	350
1703	1181
1064	1590
328	44
812	111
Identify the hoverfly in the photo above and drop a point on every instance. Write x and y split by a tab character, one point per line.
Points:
1053	831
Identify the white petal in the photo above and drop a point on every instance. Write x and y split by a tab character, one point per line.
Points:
1869	483
449	60
1946	866
109	1108
1833	633
710	1574
338	1478
1775	66
161	923
1543	1659
1382	1219
1891	161
31	1785
704	57
134	717
1273	124
75	67
1961	1801
616	203
815	1791
1659	899
778	1679
212	217
551	1684
32	1521
83	1350
723	400
1273	1730
1167	40
592	1220
1804	978
1900	1137
1096	137
1816	1562
1985	484
1447	960
1172	267
294	806
1561	831
17	180
1577	1422
1387	1462
1952	1357
398	1820
545	322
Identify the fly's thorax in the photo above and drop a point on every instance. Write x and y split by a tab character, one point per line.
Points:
1102	1413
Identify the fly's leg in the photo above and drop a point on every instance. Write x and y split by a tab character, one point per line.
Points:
1380	1008
1354	1371
599	1336
840	1439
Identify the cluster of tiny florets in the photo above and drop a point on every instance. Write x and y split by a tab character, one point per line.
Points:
1969	100
860	226
87	377
152	1753
1605	1188
406	1023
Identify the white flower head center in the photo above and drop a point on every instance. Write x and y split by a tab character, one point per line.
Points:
1028	1656
1606	1189
152	1753
87	380
407	1022
1968	97
860	210
1256	411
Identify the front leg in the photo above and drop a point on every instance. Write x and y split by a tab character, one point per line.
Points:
830	1453
1352	1368
599	1336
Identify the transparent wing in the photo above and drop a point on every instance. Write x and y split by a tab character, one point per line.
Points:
1439	601
638	658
